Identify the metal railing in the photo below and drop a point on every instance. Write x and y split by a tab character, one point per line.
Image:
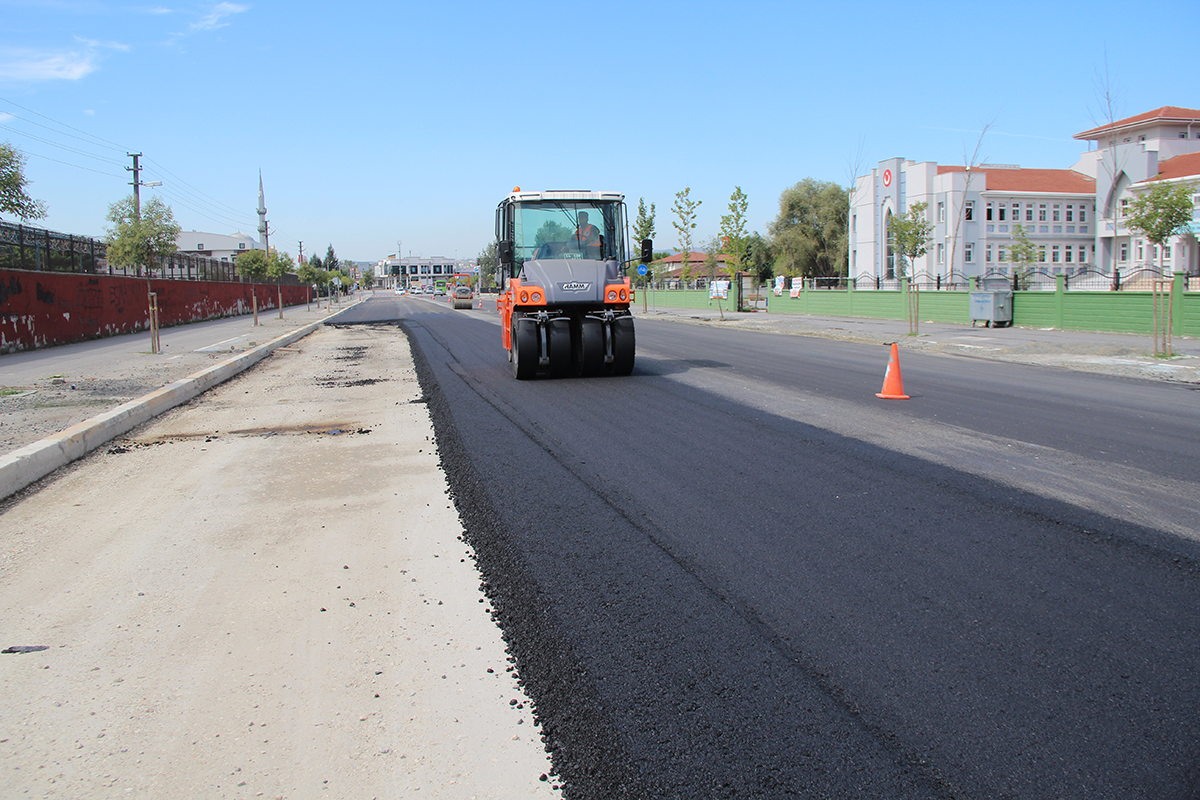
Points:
40	250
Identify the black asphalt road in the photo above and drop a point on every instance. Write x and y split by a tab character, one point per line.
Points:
708	599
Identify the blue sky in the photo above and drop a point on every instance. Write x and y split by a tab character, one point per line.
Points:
382	122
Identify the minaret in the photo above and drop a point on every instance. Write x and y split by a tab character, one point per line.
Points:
262	215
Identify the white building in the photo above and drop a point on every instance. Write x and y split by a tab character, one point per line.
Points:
215	245
1067	213
415	270
1163	144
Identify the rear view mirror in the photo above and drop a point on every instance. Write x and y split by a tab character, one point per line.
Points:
506	251
647	251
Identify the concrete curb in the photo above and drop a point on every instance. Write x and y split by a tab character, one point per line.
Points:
22	467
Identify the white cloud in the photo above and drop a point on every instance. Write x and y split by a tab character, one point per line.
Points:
34	65
215	18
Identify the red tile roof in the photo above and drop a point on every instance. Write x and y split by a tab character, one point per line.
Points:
695	258
1062	181
1166	113
1185	166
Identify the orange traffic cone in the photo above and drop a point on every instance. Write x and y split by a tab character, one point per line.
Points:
893	385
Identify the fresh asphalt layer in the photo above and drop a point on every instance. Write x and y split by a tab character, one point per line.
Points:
711	590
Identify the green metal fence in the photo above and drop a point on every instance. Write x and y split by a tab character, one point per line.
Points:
1117	312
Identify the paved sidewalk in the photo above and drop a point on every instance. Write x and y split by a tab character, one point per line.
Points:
61	403
1129	355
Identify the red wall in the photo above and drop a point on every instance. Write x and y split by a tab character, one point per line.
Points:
44	308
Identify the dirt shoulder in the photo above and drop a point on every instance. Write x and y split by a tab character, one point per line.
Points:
279	604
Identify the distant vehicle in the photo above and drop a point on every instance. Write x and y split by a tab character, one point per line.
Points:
462	297
399	291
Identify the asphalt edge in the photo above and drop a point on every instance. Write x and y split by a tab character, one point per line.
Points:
32	462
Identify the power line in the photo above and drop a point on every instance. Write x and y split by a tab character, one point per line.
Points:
67	163
63	125
64	147
177	190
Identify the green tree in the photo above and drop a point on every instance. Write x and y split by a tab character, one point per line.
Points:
684	224
308	273
140	239
488	260
280	264
1023	254
643	226
13	198
809	232
252	264
733	229
1161	212
911	234
331	262
368	278
759	258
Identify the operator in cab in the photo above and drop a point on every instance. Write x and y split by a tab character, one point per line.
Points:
587	237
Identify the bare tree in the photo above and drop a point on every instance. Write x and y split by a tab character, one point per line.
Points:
970	165
1108	111
853	168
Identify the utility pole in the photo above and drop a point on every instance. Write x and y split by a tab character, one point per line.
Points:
135	169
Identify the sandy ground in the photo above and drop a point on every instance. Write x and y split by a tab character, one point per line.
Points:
260	595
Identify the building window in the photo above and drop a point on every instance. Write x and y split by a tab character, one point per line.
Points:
1003	212
941	256
1124	251
1016	214
1057	213
891	248
1042	253
941	212
969	210
1124	206
1070	212
969	253
1167	252
241	245
987	254
1141	251
1083	254
1082	214
200	246
1042	212
988	213
1003	254
1054	254
1068	254
1029	213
